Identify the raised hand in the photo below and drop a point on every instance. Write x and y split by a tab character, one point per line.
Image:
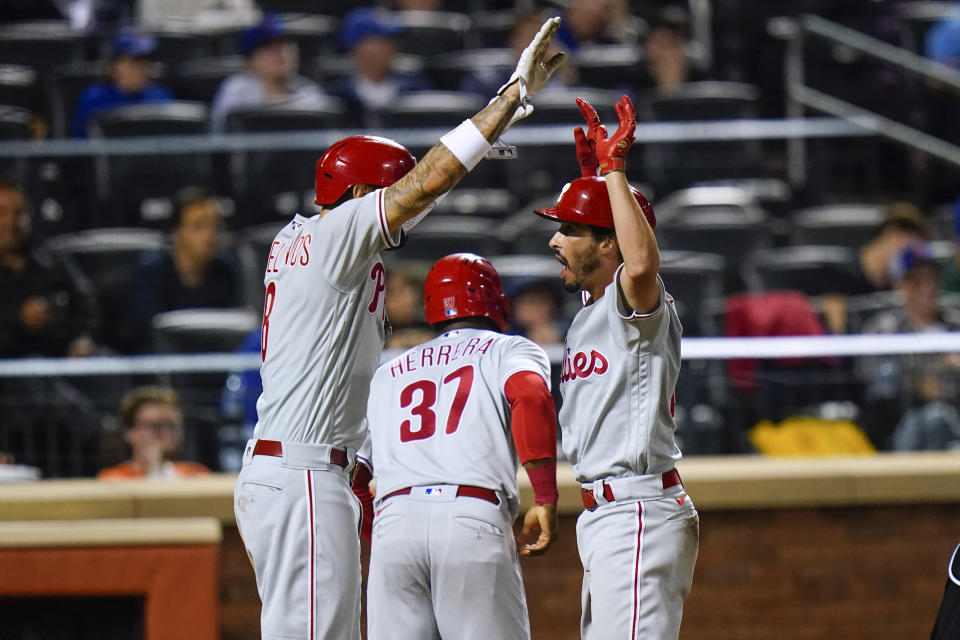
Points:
612	151
533	70
586	145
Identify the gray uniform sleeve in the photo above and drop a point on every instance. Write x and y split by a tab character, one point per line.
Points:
348	237
644	330
523	355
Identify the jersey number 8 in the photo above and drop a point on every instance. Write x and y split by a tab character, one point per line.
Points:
427	390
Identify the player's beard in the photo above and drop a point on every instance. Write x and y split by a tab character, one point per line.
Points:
580	268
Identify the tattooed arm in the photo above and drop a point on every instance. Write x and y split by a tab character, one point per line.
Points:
440	170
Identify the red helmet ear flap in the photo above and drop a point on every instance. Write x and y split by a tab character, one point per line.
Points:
464	285
360	160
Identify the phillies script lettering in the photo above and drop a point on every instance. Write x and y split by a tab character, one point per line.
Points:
582	365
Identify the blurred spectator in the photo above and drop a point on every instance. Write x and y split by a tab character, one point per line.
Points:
536	312
666	64
46	308
950	278
404	306
271	78
926	386
868	272
943	40
590	22
370	36
191	274
153	429
486	81
127	82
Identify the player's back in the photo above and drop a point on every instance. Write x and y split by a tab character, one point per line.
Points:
323	325
438	415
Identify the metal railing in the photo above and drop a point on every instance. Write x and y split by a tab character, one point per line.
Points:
800	95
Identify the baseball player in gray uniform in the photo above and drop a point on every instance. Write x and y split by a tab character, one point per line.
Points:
638	536
322	333
448	420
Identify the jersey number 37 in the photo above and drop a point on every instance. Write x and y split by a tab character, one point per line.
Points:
421	397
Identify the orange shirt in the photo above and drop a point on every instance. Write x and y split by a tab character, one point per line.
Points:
126	470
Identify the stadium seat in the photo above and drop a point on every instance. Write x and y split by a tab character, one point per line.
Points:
65	84
558	105
123	182
20	87
493	203
670	166
811	269
202	330
14	123
326	69
714	198
257	177
201	79
727	233
491	28
432	33
843	225
433	108
447	72
315	34
180	46
692	278
39	44
772	194
339	8
107	258
439	235
527	233
615	67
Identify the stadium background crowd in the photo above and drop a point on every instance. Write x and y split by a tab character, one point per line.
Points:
143	254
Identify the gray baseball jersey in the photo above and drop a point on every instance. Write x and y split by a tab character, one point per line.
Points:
437	413
323	324
439	418
617	380
639	549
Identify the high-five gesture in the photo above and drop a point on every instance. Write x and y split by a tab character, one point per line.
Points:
612	151
533	70
586	143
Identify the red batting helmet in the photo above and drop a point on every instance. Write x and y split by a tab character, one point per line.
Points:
464	285
585	200
360	160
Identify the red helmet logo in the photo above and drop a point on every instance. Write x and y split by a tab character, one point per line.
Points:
360	160
585	200
464	285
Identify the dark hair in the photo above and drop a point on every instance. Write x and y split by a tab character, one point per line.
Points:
441	327
671	19
904	216
131	403
187	197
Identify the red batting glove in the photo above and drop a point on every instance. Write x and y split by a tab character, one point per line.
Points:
586	146
612	151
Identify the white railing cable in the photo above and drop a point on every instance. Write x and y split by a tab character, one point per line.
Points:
523	135
692	349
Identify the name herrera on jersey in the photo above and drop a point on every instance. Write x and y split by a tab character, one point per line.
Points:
434	357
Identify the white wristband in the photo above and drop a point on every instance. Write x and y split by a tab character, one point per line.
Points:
467	144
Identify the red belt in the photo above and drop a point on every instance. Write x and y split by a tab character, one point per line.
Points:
462	491
669	478
275	448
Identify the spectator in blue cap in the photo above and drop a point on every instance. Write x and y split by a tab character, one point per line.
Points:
271	77
127	82
370	36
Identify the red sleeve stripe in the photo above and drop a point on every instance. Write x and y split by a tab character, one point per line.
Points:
384	229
